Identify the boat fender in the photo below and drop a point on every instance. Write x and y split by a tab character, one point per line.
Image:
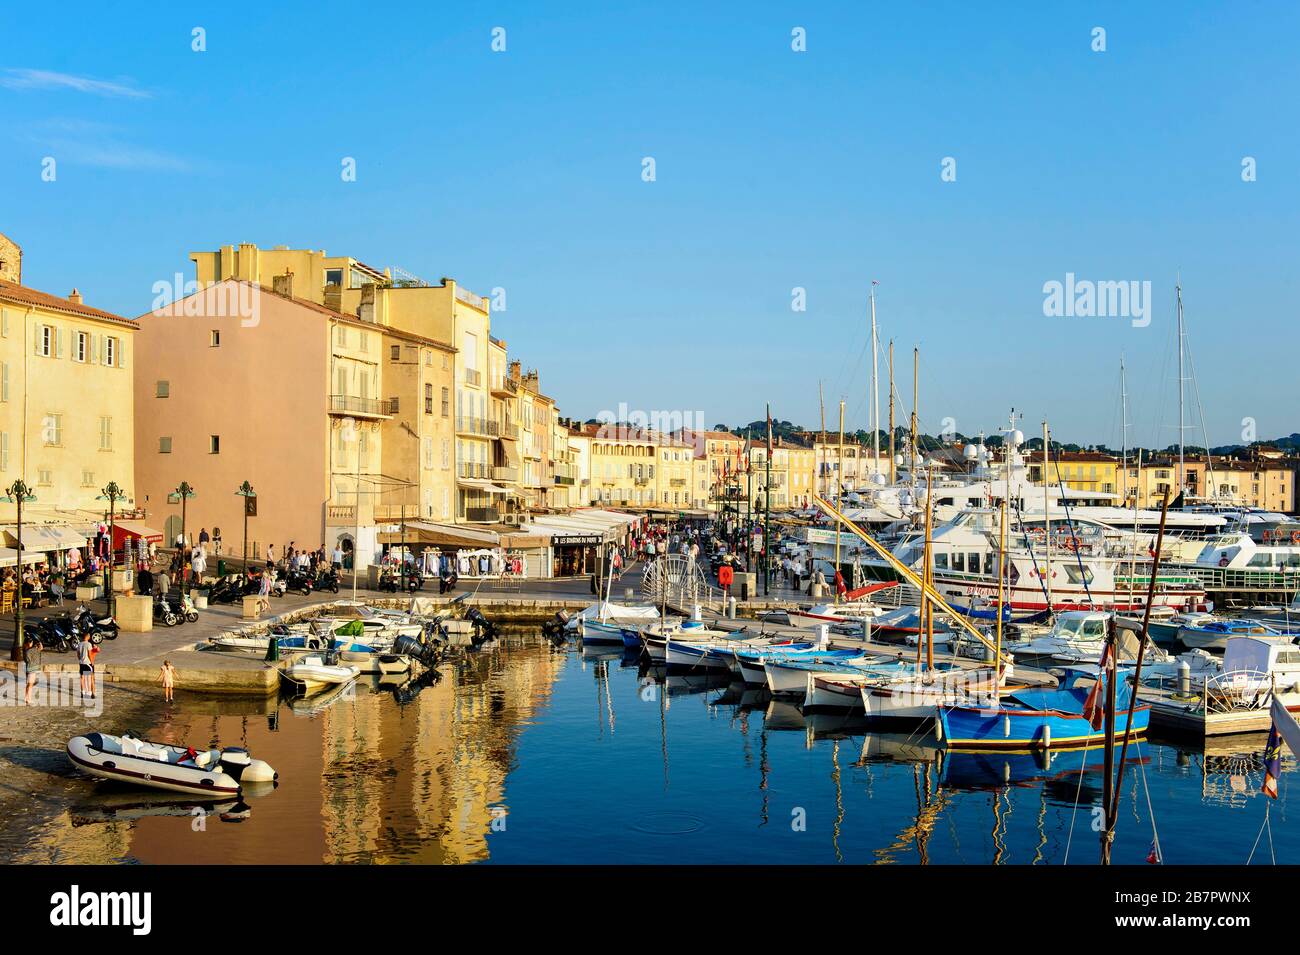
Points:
1006	726
1047	737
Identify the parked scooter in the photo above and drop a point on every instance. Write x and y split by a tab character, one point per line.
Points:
166	609
297	581
189	611
391	582
327	580
85	621
58	633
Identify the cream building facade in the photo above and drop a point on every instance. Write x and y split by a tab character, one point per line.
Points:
66	399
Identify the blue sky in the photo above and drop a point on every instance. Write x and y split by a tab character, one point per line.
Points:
774	170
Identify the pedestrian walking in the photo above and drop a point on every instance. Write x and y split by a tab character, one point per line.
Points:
32	663
216	541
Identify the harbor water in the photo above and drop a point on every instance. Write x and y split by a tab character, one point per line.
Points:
531	754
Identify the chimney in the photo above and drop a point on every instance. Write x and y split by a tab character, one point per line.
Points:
366	310
515	367
75	297
283	284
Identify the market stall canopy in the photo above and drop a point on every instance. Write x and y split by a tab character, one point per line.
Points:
430	534
124	529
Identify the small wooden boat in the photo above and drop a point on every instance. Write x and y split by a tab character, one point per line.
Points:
1031	719
161	766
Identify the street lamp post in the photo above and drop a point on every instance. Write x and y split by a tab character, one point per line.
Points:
111	493
246	492
17	493
182	494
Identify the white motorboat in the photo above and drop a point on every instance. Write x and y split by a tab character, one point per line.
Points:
855	613
219	772
313	673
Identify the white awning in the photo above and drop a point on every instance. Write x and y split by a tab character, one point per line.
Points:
486	486
9	556
45	537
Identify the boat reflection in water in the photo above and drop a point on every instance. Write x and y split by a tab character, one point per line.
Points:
528	753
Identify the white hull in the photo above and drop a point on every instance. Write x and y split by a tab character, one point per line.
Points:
158	766
828	694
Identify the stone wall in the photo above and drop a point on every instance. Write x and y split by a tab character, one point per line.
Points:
11	261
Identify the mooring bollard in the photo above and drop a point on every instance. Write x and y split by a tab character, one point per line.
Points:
731	608
1184	678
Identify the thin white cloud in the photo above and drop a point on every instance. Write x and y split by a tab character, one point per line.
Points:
25	79
90	143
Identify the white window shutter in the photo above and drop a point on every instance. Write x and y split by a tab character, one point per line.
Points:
121	353
36	339
59	336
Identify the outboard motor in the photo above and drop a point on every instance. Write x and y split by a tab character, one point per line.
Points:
412	647
484	629
237	764
556	628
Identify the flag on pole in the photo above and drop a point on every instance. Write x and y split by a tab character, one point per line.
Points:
1154	857
769	431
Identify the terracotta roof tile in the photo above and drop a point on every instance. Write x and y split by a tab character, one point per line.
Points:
22	295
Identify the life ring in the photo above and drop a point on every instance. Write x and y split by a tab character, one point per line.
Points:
1070	543
1037	532
1295	537
1266	536
1223	561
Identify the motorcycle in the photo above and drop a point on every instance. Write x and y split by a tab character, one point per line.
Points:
188	610
297	581
390	582
327	580
58	634
103	627
227	590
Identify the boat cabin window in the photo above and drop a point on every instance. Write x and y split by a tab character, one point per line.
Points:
959	562
1288	656
1076	576
1260	559
940	561
1094	628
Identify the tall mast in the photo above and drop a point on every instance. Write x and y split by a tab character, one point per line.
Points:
1182	470
916	365
893	476
821	400
839	497
875	382
1047	513
1123	428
